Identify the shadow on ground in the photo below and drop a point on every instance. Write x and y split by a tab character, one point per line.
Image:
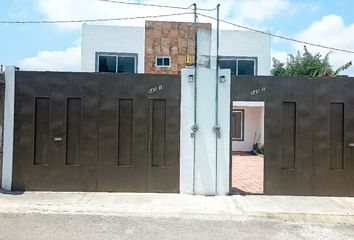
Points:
237	191
3	191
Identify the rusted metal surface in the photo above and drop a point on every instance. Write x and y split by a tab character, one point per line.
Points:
309	125
96	132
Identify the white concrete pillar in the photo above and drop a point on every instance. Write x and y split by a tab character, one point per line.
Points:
208	172
204	158
9	113
186	141
223	143
205	146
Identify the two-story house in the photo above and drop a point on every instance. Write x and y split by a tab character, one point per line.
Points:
167	47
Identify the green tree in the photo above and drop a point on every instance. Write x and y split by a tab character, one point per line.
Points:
307	64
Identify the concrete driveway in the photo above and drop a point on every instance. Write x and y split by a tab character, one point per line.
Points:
247	173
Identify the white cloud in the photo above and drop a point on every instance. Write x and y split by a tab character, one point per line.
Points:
94	9
66	60
235	10
330	31
261	10
280	55
239	11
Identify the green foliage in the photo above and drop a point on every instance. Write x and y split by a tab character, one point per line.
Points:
307	64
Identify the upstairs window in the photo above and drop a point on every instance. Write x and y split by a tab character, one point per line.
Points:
228	64
246	67
163	62
240	66
116	63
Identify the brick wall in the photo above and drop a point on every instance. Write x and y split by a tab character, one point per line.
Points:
173	39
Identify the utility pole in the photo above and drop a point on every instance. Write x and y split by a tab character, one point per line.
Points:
195	12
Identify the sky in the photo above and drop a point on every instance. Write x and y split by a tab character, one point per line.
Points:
56	47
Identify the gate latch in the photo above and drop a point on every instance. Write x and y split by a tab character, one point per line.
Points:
58	139
194	129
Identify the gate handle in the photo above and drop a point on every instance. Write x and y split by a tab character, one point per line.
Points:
58	139
351	144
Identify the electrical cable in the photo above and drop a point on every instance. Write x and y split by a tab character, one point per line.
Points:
279	36
93	20
146	4
156	5
175	14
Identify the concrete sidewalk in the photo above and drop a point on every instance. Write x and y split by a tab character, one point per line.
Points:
237	207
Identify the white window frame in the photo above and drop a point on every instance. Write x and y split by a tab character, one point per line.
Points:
163	58
242	111
116	55
247	59
240	58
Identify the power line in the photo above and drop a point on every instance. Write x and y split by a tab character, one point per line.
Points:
156	5
146	4
279	36
93	20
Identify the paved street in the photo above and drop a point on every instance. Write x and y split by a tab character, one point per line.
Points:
65	215
58	226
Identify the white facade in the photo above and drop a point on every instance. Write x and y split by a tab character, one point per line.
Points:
117	39
246	44
111	39
254	125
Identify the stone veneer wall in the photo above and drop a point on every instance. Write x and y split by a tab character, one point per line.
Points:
173	39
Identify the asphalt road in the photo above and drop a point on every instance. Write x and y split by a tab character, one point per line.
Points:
59	226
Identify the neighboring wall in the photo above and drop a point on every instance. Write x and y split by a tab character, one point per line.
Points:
172	39
113	39
234	43
2	93
254	124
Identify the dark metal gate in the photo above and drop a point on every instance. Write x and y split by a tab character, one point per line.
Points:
309	133
96	132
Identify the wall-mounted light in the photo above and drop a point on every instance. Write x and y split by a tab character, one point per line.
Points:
222	79
191	78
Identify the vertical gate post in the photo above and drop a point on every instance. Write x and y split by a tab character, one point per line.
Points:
223	143
205	157
9	111
186	134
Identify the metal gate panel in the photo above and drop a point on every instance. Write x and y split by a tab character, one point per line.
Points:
163	137
333	134
96	132
122	146
288	136
42	148
309	133
152	102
